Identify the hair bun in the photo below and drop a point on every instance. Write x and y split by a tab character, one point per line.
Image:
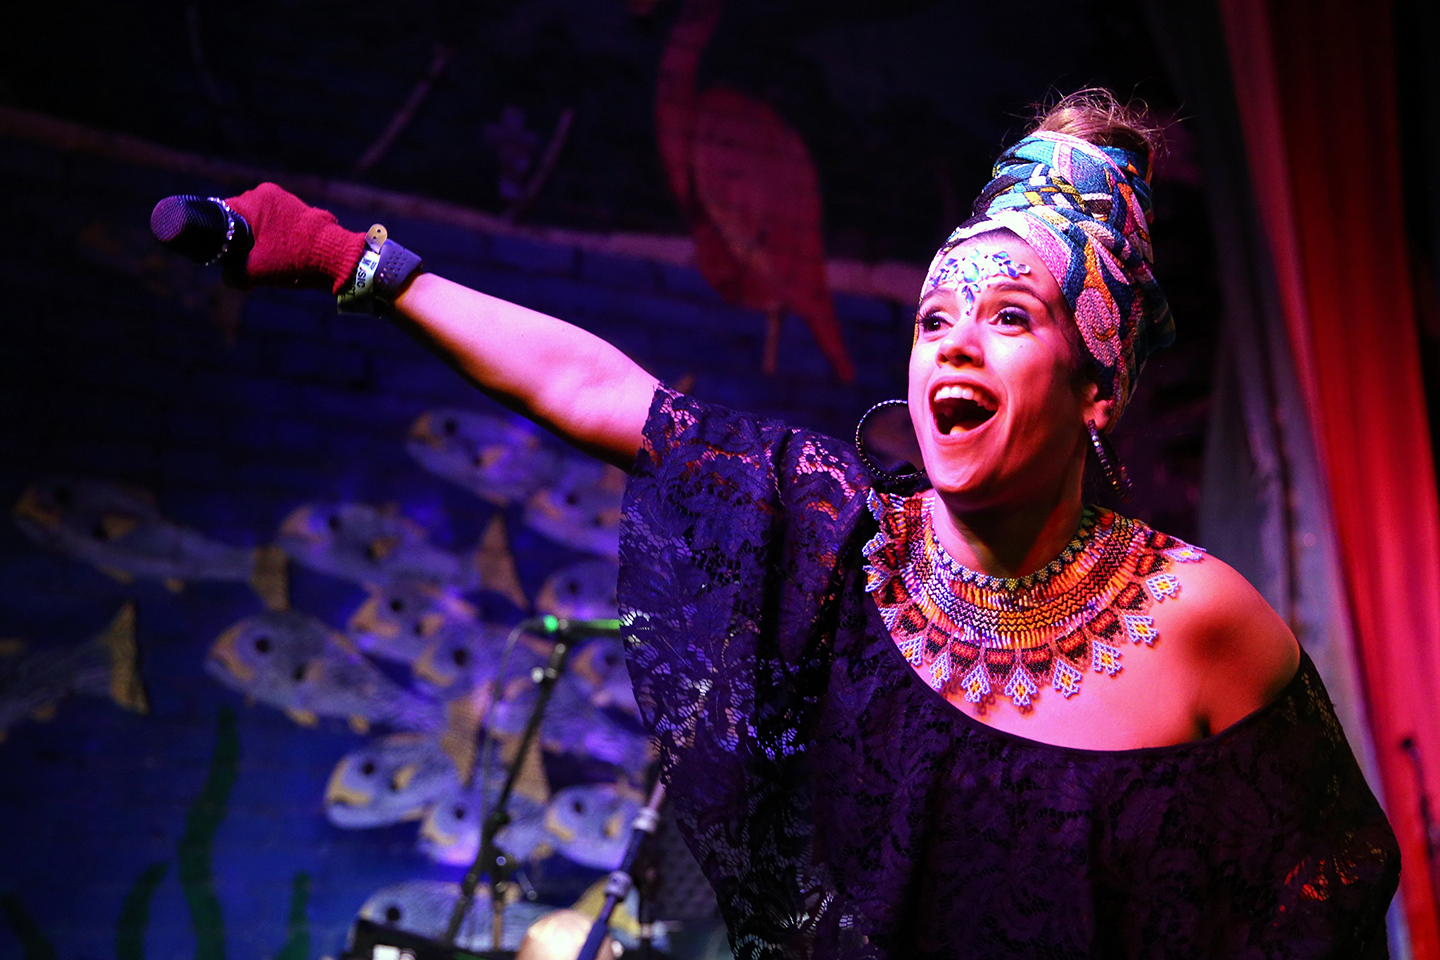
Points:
1094	115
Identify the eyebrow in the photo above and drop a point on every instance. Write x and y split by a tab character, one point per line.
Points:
1015	285
1006	285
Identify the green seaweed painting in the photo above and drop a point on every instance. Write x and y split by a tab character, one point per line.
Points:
297	944
135	914
195	855
33	943
198	841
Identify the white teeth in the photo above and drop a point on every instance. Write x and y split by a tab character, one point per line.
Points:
956	391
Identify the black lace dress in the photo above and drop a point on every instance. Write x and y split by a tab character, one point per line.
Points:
843	809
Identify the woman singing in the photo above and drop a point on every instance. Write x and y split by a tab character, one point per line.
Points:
964	717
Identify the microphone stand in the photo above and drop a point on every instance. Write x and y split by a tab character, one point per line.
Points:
490	857
617	887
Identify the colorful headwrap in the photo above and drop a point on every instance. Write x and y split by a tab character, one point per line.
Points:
1085	211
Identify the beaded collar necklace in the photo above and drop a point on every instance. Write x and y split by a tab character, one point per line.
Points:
971	634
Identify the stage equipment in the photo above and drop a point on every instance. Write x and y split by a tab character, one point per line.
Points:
489	857
618	887
548	626
203	229
374	941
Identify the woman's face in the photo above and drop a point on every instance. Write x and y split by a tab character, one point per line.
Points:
995	397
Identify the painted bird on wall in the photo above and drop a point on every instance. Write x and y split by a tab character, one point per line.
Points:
747	184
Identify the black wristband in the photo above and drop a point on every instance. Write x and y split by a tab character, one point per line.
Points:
396	267
382	272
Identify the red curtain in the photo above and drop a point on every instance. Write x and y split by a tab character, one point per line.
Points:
1315	81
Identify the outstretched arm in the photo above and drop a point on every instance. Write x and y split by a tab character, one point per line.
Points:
557	374
562	377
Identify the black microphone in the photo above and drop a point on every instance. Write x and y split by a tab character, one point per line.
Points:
203	229
548	626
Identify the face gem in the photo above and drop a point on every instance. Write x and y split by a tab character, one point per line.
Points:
968	273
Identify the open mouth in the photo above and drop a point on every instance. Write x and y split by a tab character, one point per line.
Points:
961	407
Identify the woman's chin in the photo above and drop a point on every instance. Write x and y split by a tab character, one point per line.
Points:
965	488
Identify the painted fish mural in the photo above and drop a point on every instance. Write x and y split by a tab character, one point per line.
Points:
371	545
33	682
586	591
591	823
580	508
424	907
451	831
572	724
294	662
375	546
389	780
599	666
581	591
398	621
499	460
118	530
464	657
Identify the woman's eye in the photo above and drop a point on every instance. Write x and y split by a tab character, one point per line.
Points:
1013	318
930	323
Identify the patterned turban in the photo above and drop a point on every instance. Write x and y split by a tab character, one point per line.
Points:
1085	211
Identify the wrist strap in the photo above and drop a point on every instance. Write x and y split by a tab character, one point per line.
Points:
383	269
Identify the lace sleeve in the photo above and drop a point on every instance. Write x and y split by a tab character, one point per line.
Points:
730	544
732	532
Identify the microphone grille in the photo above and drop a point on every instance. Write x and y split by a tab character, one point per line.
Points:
193	227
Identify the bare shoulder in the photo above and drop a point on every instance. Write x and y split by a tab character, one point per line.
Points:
1240	652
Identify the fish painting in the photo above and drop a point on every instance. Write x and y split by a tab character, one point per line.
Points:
424	906
572	724
371	545
580	508
390	780
451	831
499	460
32	682
119	531
375	546
581	591
398	621
586	591
599	666
463	657
294	662
591	823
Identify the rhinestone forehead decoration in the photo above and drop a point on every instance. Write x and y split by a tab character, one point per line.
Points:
969	272
971	636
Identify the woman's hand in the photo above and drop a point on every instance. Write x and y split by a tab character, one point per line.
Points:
296	245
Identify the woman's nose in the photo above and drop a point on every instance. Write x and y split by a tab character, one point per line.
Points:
961	345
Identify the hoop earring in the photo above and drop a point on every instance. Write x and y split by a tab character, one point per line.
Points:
1110	463
886	442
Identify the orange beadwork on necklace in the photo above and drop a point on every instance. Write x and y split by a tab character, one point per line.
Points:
968	633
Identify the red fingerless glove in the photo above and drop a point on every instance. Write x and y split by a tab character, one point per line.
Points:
295	244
